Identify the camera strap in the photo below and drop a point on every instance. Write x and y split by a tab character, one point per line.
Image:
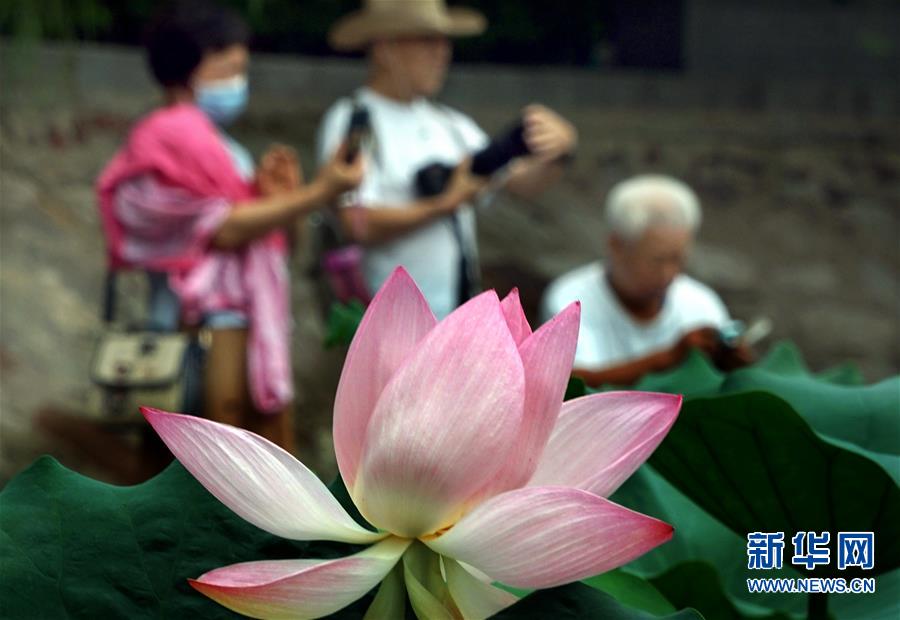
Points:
469	283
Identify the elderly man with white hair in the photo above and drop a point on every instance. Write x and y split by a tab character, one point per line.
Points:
639	312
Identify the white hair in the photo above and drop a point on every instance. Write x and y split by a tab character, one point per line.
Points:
647	200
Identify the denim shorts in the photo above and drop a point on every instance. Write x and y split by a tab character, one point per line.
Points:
164	309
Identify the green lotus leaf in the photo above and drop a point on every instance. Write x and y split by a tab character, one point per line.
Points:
578	601
698	583
754	464
700	537
632	590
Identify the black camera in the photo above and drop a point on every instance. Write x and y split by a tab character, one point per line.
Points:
432	179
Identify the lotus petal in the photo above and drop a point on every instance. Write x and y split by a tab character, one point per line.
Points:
547	357
601	439
541	537
515	317
396	320
300	588
256	479
475	598
441	428
390	600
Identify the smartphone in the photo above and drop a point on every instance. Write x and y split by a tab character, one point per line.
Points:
736	333
358	131
758	329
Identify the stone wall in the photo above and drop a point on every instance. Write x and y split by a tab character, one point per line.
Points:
852	42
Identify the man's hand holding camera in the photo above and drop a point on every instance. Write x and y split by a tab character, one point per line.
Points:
551	141
550	137
462	188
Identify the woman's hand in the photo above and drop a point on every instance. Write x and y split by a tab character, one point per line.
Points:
339	176
548	135
279	171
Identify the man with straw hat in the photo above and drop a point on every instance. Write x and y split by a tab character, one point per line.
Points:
409	50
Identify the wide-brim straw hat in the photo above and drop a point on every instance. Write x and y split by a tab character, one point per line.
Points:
383	19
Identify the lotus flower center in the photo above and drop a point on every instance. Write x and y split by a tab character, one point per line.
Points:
436	535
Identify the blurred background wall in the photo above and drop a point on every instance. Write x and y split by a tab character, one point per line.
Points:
783	116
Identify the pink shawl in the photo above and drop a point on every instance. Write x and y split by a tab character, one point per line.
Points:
194	184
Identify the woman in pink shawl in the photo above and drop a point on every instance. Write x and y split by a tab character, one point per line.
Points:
181	201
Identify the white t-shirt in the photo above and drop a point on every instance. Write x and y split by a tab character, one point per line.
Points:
609	336
408	136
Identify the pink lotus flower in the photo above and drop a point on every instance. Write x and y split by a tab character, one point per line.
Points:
453	440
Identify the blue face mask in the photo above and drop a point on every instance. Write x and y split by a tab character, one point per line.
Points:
222	100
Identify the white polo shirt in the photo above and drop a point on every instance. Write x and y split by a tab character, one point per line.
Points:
408	136
609	336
